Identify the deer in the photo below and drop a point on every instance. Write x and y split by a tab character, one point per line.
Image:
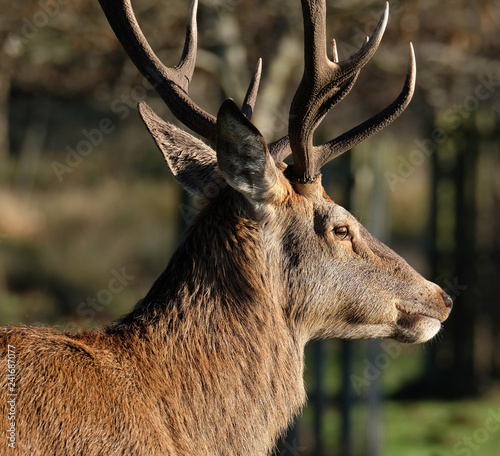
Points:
211	360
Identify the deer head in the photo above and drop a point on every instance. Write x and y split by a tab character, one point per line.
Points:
330	277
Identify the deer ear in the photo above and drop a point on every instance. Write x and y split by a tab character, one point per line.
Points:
191	161
242	155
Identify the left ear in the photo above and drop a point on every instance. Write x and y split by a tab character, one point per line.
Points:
191	161
243	157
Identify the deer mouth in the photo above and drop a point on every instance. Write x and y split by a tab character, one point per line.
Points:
416	327
406	315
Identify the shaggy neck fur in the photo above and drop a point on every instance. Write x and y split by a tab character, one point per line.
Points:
229	364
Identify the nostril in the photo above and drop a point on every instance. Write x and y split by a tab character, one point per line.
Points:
448	302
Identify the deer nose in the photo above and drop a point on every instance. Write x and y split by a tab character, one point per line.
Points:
448	302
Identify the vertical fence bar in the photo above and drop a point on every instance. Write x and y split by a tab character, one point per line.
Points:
346	399
319	397
289	445
374	423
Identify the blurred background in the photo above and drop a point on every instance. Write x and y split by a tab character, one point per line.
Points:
86	197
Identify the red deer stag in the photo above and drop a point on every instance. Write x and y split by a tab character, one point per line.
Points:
210	362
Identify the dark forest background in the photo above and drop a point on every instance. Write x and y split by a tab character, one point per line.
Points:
85	195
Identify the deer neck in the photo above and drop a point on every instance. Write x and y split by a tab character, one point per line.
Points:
224	346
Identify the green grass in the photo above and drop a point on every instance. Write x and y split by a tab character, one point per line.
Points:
416	428
435	428
407	428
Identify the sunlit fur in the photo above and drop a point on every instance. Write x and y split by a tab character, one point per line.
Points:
210	362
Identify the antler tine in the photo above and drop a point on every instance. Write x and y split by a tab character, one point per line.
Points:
335	55
348	140
187	62
369	47
324	84
251	95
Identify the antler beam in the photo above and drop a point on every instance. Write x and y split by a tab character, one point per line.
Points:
170	83
324	84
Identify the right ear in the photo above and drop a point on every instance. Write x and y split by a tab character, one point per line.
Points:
191	161
243	156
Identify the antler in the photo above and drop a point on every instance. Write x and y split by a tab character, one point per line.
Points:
170	83
325	83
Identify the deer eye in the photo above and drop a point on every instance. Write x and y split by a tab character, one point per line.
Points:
342	233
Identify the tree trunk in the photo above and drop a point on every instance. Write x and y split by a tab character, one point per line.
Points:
5	79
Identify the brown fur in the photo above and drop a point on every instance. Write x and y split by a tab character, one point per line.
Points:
210	362
192	369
